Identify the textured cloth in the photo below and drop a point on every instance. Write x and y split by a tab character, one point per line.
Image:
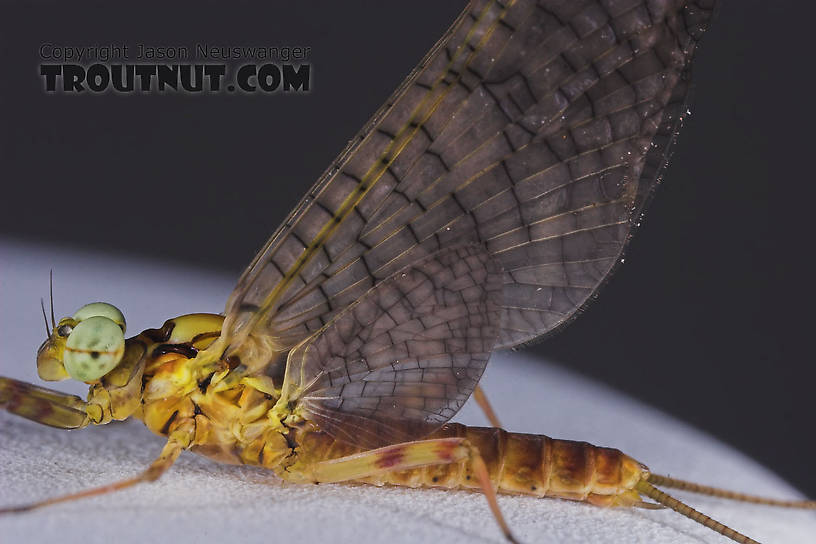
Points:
201	501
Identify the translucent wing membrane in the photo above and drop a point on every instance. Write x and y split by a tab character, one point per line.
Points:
404	358
537	129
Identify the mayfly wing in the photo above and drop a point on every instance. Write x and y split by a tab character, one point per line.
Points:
537	129
403	359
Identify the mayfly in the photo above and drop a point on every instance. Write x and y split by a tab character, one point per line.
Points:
480	208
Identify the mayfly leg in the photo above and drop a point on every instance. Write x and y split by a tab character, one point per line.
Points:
42	405
410	455
481	399
178	440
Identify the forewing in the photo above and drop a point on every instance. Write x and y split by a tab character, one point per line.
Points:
537	129
403	359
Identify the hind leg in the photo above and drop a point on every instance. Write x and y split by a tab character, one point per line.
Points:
406	456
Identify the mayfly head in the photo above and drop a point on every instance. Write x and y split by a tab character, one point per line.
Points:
85	346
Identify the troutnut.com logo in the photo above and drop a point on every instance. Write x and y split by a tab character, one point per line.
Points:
174	69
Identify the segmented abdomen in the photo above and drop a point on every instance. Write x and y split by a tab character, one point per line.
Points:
532	465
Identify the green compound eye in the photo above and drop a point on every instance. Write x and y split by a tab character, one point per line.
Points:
102	309
94	348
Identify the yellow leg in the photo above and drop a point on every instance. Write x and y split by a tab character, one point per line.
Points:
42	405
410	455
178	440
481	399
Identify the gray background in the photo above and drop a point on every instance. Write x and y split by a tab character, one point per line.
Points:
710	318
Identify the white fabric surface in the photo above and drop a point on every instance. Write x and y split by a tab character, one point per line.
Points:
201	501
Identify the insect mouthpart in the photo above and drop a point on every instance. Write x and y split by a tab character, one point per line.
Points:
49	359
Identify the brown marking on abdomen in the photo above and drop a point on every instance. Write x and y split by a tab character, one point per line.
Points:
523	470
573	466
608	463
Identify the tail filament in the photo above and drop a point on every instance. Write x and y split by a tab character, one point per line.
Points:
647	489
665	481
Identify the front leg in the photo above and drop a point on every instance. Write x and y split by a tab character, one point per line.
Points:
42	405
179	439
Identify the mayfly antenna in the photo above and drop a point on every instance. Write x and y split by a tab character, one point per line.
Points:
51	292
45	319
